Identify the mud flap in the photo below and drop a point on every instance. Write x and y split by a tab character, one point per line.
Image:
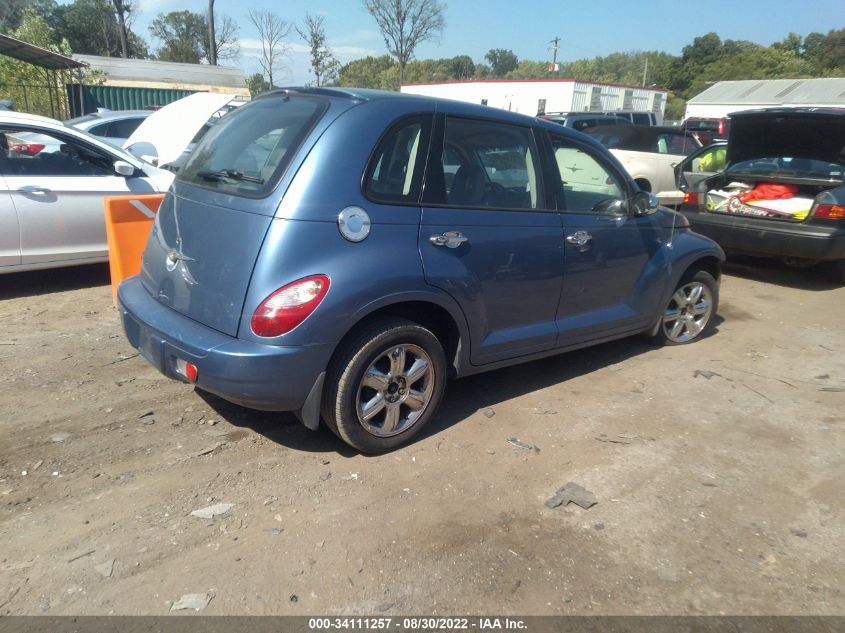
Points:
309	414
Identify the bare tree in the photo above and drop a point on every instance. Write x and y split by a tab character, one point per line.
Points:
271	30
212	42
226	44
406	23
323	62
122	8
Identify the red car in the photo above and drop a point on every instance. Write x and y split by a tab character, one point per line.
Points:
707	130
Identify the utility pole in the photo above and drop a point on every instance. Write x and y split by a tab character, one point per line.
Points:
212	40
645	71
555	42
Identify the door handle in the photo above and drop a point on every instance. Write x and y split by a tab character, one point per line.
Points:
449	239
33	189
581	240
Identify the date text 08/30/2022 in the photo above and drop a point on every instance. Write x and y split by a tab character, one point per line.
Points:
417	624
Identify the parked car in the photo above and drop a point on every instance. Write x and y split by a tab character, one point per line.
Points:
114	126
707	130
584	120
650	154
52	182
313	257
781	193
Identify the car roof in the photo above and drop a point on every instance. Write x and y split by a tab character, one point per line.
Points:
25	117
822	111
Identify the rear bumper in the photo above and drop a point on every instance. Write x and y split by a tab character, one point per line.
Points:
266	377
776	238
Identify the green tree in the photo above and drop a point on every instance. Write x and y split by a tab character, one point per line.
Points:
182	35
257	84
825	53
370	72
502	61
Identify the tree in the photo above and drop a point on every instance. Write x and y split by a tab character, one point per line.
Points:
122	8
226	44
502	61
91	27
370	72
272	30
257	84
182	34
406	23
323	62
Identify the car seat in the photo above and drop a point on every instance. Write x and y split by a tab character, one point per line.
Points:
468	186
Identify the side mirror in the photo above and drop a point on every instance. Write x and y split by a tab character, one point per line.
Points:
145	151
644	203
122	168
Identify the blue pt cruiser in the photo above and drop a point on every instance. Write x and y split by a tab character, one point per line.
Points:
341	253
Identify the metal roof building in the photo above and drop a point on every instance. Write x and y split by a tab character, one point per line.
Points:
148	73
725	97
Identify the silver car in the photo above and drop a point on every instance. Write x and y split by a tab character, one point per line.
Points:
114	126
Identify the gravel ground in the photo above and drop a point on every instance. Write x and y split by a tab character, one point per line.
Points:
718	470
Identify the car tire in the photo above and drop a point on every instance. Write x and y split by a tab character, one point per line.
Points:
384	384
690	312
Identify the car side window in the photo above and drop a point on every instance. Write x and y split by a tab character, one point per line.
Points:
34	152
123	128
710	160
489	165
396	168
100	130
586	185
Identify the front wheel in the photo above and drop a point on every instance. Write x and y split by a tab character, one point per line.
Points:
690	311
384	384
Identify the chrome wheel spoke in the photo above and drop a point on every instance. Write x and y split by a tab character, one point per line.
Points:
677	329
417	371
397	361
702	307
693	328
695	294
374	379
671	315
416	400
680	298
372	408
392	418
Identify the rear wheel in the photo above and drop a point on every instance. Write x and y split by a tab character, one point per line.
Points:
385	383
689	314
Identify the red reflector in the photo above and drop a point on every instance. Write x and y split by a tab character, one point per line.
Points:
186	369
690	198
289	306
832	211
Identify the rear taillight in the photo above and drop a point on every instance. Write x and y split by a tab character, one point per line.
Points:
690	197
289	306
722	126
830	211
29	149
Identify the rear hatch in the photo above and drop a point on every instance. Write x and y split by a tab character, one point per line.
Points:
210	227
778	162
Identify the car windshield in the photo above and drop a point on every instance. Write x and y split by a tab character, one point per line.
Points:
248	151
787	167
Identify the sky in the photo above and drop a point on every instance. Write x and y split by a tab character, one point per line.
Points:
586	28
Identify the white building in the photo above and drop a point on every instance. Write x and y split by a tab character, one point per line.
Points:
725	97
534	97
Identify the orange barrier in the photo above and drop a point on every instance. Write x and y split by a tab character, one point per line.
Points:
129	220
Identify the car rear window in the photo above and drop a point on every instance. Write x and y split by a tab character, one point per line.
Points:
790	167
249	150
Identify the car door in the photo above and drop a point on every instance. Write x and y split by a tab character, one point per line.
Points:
488	238
703	163
10	237
57	187
608	251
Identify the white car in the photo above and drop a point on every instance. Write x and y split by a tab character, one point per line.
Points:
53	179
114	126
649	154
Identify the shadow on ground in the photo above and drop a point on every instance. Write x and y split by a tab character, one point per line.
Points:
820	277
462	398
42	282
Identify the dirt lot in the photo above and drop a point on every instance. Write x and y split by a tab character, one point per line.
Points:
718	469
